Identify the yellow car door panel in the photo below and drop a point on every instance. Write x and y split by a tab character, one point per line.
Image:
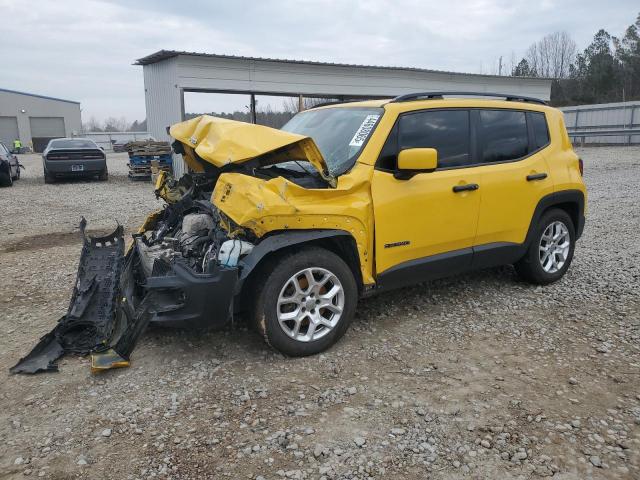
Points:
428	217
423	216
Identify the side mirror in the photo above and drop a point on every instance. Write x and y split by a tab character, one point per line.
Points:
416	160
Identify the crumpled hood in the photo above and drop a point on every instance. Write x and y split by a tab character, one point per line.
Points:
220	141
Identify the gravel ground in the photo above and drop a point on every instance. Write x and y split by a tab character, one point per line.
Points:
478	376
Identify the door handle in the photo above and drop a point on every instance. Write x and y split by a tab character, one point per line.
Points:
536	176
467	187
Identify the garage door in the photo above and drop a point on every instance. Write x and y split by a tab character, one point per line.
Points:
44	129
8	130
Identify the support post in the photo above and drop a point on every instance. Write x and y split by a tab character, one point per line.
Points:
182	114
300	103
254	118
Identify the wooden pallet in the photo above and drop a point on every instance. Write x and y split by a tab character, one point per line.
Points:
147	147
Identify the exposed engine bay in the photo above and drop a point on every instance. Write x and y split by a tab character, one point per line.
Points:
190	231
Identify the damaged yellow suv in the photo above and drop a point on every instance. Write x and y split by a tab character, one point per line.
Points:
352	199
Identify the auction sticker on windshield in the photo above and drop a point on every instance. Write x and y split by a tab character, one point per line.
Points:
364	130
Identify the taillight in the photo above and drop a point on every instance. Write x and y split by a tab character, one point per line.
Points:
581	166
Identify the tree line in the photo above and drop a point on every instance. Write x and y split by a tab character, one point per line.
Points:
608	70
112	124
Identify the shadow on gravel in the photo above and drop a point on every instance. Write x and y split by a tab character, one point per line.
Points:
43	241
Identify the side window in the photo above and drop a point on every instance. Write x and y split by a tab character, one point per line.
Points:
445	130
540	129
503	135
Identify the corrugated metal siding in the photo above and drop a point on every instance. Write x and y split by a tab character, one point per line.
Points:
163	101
275	77
607	116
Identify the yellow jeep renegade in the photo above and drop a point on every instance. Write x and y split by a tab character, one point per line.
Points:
352	199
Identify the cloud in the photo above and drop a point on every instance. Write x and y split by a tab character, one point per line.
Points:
84	49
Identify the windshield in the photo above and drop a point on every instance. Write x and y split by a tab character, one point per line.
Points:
339	133
72	143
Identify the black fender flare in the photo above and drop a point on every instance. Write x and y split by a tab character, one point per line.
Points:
280	240
573	197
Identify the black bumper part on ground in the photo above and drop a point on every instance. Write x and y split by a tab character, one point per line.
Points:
90	320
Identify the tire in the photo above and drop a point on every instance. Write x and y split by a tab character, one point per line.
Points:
543	264
104	175
6	180
48	178
278	280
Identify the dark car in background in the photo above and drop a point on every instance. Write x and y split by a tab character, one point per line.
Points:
9	167
73	158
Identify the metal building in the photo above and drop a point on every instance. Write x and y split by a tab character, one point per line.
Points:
36	119
169	74
604	123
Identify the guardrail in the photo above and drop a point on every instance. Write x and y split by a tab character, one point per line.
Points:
582	135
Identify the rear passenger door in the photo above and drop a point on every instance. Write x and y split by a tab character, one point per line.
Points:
515	175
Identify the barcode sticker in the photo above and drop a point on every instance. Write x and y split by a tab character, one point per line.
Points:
364	130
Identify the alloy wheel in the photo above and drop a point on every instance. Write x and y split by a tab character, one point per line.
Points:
310	304
555	244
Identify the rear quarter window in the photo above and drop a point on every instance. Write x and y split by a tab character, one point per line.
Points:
540	129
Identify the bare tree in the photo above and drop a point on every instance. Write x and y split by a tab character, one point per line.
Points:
552	56
113	124
92	125
292	104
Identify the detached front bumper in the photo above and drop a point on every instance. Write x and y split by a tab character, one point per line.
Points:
183	298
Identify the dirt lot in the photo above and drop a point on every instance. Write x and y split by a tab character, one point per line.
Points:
479	376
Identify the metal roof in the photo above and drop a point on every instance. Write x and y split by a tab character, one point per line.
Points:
38	96
166	54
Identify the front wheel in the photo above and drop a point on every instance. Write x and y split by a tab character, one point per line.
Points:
306	302
551	249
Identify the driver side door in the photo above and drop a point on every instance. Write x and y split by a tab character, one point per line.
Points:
425	225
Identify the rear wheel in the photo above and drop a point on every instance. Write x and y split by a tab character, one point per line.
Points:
551	249
306	302
104	175
48	178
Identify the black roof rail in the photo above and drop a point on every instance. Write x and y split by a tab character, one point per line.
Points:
409	97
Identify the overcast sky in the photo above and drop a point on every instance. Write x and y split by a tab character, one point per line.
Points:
84	49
